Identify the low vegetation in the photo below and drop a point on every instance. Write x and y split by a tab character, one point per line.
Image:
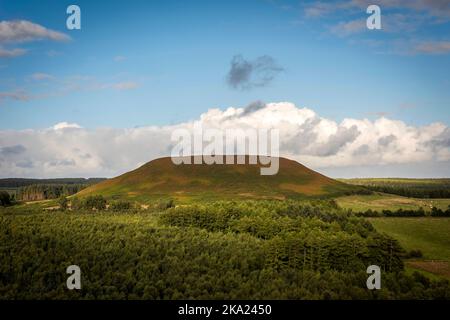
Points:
220	250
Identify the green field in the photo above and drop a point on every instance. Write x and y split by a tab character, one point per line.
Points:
382	201
429	235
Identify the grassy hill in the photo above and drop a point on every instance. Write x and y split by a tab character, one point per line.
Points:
161	178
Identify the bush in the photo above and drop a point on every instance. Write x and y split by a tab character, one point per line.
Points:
435	212
415	254
5	199
97	202
165	204
63	203
121	205
369	213
389	213
76	204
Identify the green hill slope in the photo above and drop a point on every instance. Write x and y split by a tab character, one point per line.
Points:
161	178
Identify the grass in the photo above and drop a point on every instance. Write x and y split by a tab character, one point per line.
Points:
383	201
429	235
161	178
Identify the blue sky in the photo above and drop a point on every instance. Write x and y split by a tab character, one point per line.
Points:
178	55
159	63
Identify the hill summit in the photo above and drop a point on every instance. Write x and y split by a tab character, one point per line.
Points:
161	178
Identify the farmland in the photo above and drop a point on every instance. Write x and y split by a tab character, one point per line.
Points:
429	235
382	201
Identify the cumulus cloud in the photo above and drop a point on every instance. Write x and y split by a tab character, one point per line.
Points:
12	150
65	125
24	31
67	149
386	140
246	74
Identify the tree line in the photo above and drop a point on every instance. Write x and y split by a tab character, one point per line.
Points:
21	182
47	191
435	212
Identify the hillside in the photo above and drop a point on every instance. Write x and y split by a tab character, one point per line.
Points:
161	178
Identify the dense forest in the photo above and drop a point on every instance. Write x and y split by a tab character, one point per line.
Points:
413	188
435	212
21	182
47	191
221	250
417	192
42	189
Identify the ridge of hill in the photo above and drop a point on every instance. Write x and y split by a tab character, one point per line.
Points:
161	178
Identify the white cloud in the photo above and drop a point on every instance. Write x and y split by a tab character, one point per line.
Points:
11	53
24	31
19	31
67	149
65	125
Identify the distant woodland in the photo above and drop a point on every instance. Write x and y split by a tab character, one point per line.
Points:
42	189
413	188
